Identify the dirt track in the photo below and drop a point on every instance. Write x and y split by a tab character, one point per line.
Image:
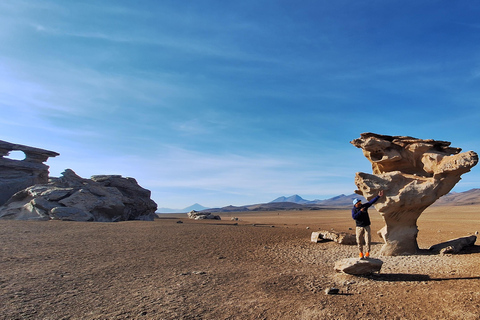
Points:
219	270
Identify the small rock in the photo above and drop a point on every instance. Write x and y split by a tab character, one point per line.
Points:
179	221
332	291
199	272
358	267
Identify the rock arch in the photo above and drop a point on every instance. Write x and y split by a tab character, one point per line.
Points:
16	175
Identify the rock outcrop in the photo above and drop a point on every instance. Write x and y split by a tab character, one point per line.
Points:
453	246
16	175
338	237
70	197
200	215
413	173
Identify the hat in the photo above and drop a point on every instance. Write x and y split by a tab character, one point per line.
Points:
356	200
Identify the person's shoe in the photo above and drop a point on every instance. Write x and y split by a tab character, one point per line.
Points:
367	255
360	255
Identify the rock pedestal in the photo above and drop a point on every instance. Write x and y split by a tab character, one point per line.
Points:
413	173
16	175
358	267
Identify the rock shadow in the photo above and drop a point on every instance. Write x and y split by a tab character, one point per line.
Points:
407	277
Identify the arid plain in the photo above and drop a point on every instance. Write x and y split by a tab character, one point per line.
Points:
262	266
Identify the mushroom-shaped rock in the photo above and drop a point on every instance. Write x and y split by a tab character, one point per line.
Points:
413	173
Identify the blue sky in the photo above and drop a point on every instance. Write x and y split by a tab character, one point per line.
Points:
236	102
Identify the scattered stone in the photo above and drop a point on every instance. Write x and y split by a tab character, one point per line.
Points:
332	291
200	215
453	246
339	237
358	267
234	219
199	272
414	173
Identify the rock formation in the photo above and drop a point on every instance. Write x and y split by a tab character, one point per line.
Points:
453	246
200	215
358	267
16	175
413	173
338	237
70	197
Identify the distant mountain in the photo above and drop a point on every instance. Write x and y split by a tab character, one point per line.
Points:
470	197
341	200
196	207
271	206
295	202
295	199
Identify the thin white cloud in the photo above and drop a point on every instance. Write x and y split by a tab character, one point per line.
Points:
224	174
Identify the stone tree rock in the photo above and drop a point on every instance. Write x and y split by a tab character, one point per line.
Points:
70	197
16	175
413	173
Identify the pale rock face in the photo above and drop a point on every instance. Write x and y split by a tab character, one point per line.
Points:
413	173
70	197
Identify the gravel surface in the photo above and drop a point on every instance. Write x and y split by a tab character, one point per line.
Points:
262	266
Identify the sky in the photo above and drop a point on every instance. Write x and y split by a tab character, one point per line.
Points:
236	102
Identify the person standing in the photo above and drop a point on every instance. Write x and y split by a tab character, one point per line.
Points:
362	222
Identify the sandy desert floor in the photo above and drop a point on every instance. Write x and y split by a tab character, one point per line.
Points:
260	267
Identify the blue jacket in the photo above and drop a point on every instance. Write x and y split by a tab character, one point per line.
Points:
362	219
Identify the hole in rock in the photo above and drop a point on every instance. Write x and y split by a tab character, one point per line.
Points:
376	156
16	155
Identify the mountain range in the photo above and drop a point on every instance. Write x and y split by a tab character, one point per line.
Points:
296	202
196	207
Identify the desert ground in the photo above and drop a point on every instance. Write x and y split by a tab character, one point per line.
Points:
262	266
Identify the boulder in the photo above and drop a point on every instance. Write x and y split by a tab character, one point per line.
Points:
200	215
357	266
16	175
339	237
71	197
71	214
453	246
413	173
